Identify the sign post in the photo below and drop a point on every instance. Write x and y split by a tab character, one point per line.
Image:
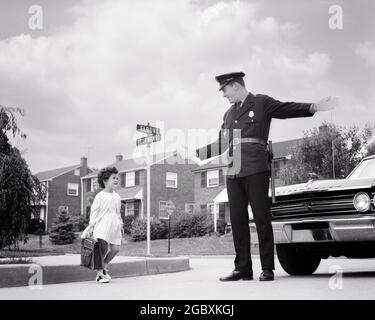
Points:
153	136
170	208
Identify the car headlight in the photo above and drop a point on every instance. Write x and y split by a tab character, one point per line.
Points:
362	201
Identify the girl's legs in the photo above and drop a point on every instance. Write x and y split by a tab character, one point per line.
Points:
103	251
103	247
113	251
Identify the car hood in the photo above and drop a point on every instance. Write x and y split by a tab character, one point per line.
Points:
325	185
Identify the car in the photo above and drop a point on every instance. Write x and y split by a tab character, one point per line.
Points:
322	218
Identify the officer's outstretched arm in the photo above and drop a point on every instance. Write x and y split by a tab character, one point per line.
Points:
284	110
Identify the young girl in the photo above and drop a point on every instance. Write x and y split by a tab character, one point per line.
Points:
105	220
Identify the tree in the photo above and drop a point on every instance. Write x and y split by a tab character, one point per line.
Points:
62	229
20	191
324	148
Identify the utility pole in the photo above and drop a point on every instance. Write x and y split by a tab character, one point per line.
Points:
148	198
153	136
333	158
333	151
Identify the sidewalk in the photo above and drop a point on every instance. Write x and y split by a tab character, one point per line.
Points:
66	268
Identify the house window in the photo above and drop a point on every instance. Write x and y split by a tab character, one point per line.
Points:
163	214
171	180
77	172
189	207
129	208
212	178
130	179
73	189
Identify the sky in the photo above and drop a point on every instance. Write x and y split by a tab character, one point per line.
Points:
93	70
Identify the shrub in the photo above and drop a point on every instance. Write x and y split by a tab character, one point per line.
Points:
159	229
79	223
36	225
138	230
187	225
220	226
181	225
62	228
128	223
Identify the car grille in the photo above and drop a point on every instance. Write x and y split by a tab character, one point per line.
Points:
316	203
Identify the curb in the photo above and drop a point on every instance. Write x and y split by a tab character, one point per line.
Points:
20	275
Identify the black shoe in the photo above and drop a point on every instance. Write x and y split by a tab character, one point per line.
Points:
266	275
237	275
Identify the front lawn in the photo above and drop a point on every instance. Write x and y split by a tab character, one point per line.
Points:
208	245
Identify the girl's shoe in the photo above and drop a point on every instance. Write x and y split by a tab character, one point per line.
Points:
100	278
106	275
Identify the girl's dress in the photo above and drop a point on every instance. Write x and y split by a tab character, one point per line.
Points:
106	216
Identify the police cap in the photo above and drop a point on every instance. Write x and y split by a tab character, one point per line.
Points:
227	78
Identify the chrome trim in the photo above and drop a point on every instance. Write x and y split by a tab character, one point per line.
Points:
339	230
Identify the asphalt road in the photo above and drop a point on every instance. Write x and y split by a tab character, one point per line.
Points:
338	278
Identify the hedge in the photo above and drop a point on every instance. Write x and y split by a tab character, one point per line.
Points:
138	230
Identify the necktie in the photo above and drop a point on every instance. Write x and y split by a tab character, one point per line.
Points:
237	106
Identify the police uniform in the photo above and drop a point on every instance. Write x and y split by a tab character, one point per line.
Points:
246	128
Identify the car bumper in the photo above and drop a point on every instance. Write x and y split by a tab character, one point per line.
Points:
321	230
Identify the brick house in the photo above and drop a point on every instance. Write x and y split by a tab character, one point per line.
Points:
63	189
171	179
210	194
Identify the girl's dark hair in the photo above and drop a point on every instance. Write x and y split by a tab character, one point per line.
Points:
104	175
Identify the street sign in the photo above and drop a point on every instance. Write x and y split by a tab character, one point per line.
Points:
170	207
153	135
148	129
148	139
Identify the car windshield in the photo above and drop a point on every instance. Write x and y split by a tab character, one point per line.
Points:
365	170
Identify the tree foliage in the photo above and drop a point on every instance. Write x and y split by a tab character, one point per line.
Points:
315	154
62	229
20	191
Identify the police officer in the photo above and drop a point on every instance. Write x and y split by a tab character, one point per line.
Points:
246	124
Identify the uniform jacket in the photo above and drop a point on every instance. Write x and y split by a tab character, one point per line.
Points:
251	120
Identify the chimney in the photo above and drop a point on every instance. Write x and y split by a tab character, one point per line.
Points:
119	157
84	169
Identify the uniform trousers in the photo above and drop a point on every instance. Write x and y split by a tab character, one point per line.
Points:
251	189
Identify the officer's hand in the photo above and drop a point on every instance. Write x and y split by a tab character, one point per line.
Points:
327	104
225	158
